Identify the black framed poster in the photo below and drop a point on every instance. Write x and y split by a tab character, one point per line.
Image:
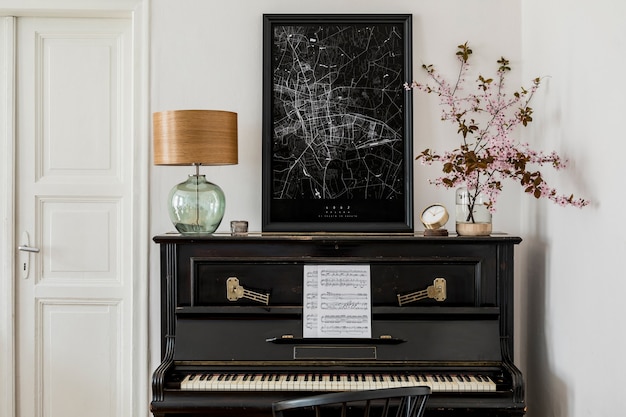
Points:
337	123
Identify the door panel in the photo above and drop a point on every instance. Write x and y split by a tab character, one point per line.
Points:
95	353
74	146
88	227
81	99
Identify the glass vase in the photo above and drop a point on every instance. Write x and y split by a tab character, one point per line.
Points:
473	217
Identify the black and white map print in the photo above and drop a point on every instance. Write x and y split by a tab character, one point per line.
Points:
338	112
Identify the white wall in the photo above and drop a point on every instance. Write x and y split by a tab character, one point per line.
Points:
208	54
574	281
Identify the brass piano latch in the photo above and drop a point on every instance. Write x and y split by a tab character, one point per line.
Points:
437	291
234	292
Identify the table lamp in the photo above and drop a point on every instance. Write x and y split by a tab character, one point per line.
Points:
195	137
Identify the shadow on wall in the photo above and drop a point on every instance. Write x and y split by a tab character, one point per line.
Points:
546	394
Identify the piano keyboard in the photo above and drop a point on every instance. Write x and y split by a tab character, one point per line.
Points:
334	382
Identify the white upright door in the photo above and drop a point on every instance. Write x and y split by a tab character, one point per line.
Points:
74	204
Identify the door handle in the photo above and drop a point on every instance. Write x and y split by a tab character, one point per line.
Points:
26	248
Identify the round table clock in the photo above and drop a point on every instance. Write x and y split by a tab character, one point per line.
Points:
433	218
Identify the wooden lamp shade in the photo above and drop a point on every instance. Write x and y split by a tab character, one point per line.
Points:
195	137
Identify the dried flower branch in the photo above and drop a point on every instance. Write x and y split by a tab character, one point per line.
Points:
485	120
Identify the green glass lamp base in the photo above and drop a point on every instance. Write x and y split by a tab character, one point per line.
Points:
196	206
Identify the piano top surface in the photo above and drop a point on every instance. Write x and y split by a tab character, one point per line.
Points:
175	237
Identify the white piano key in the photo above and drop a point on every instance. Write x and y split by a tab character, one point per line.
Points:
185	383
197	382
368	382
255	382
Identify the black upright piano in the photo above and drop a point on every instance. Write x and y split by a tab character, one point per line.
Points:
232	323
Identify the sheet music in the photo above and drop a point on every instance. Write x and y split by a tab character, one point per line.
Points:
337	301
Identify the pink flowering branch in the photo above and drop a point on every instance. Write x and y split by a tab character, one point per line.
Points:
488	152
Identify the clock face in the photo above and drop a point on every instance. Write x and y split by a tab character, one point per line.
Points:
434	216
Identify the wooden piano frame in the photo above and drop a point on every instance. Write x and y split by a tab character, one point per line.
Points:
440	305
